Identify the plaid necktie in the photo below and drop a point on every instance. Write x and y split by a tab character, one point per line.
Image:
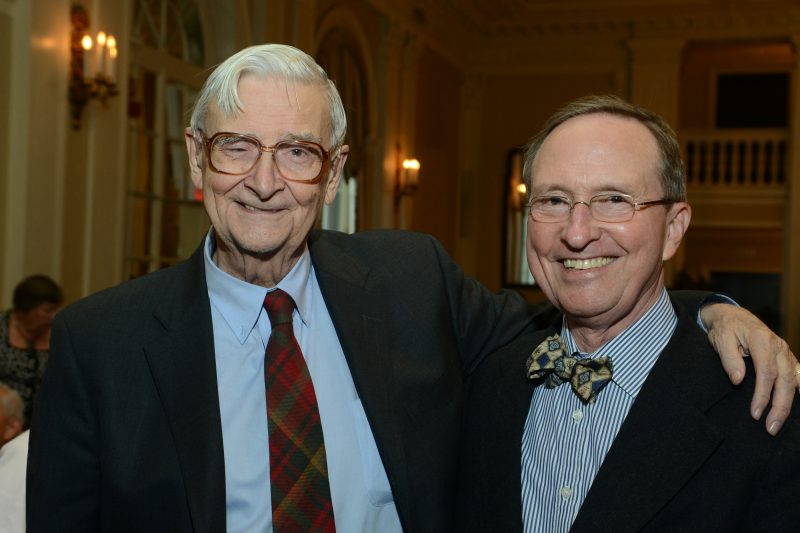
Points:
301	498
587	376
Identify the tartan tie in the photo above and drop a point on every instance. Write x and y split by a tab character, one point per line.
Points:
587	376
301	499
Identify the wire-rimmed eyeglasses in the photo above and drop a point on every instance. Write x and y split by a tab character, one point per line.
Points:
610	207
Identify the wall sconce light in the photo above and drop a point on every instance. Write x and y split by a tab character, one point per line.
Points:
518	191
522	195
406	178
92	72
409	180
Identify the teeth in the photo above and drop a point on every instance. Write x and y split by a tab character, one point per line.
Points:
249	208
583	264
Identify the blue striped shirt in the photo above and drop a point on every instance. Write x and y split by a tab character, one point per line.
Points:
576	437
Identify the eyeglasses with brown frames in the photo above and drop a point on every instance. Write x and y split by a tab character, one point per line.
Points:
236	154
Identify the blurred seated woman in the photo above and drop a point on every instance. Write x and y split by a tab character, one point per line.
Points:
25	337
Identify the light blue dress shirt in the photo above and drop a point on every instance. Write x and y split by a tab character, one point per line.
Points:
362	498
564	441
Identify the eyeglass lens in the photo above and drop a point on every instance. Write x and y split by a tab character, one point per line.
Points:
605	208
238	155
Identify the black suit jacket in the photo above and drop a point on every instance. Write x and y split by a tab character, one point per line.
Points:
687	458
127	434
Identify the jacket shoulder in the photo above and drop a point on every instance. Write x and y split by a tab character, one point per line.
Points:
145	292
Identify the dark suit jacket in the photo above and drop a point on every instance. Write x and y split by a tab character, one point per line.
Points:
687	458
127	434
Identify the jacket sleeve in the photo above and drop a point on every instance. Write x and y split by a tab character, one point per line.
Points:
482	321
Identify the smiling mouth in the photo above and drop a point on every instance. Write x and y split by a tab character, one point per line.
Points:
584	264
257	210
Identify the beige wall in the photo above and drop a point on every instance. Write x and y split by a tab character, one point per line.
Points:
437	126
48	124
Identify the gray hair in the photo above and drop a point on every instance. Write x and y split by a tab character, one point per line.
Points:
671	170
11	403
278	61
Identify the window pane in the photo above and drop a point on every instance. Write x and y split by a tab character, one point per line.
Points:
172	26
179	183
166	219
139	228
753	100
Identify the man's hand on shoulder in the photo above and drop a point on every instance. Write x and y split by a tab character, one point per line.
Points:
736	333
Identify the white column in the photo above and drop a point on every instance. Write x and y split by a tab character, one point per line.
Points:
15	79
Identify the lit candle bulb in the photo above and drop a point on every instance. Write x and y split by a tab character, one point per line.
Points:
112	61
86	43
111	52
101	53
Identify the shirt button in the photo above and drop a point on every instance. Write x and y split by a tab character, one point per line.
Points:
577	415
566	492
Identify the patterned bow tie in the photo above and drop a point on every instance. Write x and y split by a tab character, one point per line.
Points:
587	376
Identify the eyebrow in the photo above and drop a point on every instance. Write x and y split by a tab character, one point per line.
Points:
285	136
301	137
591	194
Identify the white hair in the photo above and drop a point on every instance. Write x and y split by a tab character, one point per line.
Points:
279	61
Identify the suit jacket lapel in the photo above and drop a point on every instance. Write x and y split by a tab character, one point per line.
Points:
180	353
665	438
361	325
511	399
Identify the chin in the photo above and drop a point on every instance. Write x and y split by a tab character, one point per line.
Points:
583	305
250	244
258	249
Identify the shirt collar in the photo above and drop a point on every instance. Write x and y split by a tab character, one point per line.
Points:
635	350
241	303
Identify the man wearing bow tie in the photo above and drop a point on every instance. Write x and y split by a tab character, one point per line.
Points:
620	419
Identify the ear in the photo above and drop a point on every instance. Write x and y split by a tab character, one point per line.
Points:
336	174
678	217
12	429
195	152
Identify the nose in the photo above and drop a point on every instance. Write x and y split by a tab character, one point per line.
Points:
264	179
581	227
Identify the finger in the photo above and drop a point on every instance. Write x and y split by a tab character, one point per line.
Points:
797	376
730	354
767	353
783	393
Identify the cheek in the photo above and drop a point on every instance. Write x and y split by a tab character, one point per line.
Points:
216	193
219	185
539	241
536	252
309	196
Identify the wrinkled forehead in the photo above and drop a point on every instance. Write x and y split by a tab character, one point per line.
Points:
263	98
